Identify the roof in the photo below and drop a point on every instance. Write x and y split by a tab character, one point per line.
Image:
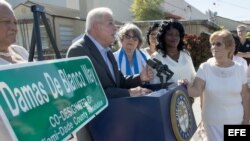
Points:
228	23
57	10
169	15
54	10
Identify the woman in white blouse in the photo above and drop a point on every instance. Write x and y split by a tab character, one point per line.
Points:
170	51
223	85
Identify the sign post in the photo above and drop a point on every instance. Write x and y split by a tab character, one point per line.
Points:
48	100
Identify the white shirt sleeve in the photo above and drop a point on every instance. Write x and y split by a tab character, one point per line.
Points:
201	72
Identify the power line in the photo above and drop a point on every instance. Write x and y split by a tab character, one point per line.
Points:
235	5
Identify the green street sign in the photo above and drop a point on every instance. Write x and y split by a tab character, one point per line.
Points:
48	100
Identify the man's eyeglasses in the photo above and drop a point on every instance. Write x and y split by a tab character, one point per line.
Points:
241	30
134	38
8	21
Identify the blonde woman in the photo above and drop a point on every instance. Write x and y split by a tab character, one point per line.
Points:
223	85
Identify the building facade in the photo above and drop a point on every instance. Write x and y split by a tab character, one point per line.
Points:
67	18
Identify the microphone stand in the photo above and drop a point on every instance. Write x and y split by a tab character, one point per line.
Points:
166	71
161	70
161	79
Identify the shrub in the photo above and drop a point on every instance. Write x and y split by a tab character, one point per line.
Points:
199	48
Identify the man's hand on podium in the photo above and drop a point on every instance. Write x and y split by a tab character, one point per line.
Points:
139	91
147	74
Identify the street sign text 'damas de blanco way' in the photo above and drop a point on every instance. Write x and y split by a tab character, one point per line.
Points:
49	100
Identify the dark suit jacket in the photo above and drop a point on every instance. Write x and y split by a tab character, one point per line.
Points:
113	89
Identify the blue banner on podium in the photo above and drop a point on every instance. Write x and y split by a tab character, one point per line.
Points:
164	115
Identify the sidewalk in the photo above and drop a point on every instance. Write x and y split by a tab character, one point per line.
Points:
197	110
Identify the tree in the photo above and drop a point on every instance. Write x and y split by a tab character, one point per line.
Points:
147	10
248	35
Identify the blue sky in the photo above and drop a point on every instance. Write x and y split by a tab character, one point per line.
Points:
234	9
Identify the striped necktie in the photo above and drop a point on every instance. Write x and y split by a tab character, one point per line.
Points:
110	63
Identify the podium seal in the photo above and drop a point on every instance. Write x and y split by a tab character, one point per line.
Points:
181	116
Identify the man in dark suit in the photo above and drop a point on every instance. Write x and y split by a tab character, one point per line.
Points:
99	35
95	43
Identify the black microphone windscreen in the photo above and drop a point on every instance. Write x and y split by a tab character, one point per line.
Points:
151	63
158	62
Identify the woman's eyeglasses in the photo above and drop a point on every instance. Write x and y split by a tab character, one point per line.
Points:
218	44
134	38
153	34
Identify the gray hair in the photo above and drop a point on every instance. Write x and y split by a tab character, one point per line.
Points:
96	15
4	3
130	27
242	26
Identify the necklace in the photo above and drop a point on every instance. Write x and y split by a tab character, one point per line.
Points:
223	71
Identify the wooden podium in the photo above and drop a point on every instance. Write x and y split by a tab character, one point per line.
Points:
146	118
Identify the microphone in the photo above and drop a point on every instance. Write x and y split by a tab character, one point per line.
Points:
152	63
160	69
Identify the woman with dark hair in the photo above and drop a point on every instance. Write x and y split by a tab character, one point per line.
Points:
170	51
151	38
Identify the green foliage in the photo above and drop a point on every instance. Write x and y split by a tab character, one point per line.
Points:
248	35
199	48
147	10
